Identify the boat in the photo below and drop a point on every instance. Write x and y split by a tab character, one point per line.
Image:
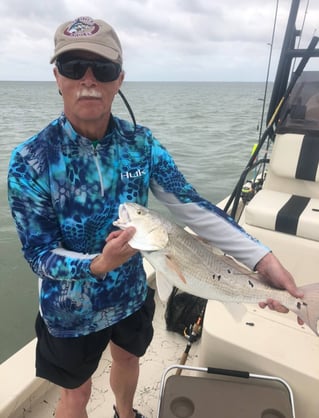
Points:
276	200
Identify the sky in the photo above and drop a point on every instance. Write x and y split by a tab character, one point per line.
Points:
162	40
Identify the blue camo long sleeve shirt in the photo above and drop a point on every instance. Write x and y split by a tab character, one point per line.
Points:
64	193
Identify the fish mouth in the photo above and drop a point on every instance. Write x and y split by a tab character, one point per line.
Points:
124	216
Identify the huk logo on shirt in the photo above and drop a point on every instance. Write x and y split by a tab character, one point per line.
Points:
126	175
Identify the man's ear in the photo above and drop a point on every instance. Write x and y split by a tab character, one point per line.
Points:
121	79
57	78
55	72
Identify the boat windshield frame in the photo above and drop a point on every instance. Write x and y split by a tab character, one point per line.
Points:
300	112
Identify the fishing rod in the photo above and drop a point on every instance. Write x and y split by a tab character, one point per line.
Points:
285	60
268	71
269	131
301	29
288	52
296	74
128	107
192	337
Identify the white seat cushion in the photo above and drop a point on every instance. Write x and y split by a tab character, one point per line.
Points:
296	156
284	212
284	159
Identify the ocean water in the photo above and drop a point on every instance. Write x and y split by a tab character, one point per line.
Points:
209	128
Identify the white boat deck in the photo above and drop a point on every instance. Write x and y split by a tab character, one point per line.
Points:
165	350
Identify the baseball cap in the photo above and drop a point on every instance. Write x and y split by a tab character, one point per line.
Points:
87	34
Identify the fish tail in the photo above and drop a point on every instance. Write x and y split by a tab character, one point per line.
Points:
308	307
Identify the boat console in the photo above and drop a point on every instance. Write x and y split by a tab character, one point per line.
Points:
284	215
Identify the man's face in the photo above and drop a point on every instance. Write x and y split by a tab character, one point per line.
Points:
87	99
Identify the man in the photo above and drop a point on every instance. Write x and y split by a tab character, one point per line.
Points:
65	186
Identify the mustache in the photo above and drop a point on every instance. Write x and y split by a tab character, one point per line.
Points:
88	93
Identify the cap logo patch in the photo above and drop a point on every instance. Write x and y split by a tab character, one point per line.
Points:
83	26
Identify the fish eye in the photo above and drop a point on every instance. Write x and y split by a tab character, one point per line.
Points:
139	212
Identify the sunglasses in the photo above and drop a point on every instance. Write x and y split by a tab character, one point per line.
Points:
75	68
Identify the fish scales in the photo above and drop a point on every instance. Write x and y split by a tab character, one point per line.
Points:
184	260
214	276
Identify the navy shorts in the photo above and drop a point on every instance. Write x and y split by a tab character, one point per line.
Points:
69	362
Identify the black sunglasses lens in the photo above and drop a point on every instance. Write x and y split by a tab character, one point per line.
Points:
106	71
103	71
72	69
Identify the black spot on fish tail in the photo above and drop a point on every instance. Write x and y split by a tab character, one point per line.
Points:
251	284
300	304
219	277
229	271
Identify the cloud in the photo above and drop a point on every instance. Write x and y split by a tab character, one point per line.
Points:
162	39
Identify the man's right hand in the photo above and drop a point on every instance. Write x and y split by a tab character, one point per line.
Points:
115	253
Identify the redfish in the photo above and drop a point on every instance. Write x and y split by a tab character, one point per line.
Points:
191	264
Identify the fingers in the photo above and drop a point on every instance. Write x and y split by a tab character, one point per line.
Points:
127	234
115	253
113	235
118	243
124	236
274	306
294	290
277	276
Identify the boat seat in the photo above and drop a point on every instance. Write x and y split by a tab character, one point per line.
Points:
296	157
283	212
289	200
